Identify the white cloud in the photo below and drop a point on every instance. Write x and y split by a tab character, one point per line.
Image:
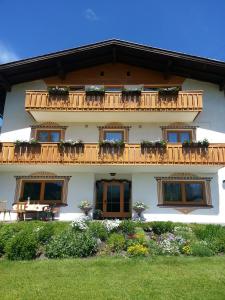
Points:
7	54
90	15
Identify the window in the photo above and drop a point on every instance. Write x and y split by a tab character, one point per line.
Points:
43	191
184	192
178	136
114	135
47	136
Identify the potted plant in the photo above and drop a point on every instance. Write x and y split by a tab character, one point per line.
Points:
25	143
139	207
169	91
97	214
132	90
112	144
160	144
95	90
86	207
199	144
71	143
58	91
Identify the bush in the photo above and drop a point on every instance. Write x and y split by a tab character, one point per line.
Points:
116	242
201	249
7	232
162	227
98	230
23	246
214	235
128	227
137	250
71	244
154	247
44	233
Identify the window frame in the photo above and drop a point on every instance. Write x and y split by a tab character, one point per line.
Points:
105	131
178	129
49	135
42	191
123	129
179	132
183	201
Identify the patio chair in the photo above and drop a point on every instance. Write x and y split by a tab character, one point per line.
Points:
4	209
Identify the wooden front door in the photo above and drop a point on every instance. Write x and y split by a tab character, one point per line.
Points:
114	205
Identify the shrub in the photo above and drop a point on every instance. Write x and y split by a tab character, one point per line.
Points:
170	244
7	232
111	225
201	249
98	230
116	242
128	227
44	233
162	227
71	244
186	250
79	224
23	246
185	232
137	250
154	247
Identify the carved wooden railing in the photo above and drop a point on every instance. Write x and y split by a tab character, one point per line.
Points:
114	101
48	153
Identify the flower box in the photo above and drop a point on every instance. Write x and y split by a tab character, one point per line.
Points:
169	91
161	144
200	144
94	90
132	90
58	91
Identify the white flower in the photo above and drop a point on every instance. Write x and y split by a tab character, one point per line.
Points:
111	224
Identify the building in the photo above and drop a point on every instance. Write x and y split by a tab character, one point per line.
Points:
118	98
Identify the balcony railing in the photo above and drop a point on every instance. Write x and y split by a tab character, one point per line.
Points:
114	101
48	153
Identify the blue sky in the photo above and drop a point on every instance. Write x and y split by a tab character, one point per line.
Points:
30	27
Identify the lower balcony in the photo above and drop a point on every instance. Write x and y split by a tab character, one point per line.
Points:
92	154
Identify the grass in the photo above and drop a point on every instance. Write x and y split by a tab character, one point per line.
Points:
114	278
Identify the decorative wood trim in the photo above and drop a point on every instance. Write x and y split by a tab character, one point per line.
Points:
179	128
207	201
47	127
42	178
124	129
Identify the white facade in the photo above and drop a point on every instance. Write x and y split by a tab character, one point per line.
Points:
210	124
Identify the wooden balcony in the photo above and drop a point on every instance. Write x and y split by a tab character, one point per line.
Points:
184	107
91	154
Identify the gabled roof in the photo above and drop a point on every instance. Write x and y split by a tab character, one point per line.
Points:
108	51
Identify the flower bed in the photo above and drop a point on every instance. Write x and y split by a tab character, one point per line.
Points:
85	237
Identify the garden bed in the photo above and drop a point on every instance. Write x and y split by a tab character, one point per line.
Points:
86	238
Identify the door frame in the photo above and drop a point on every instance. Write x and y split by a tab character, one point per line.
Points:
121	213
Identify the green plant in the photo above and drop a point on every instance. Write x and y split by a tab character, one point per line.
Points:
58	91
157	144
23	246
127	227
94	90
201	144
137	250
161	227
44	233
85	206
98	230
169	91
201	248
71	244
116	242
187	250
7	232
97	214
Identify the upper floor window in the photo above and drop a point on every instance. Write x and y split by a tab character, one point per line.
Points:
48	133
47	136
179	136
114	135
179	133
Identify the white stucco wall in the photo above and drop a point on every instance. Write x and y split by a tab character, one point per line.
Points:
211	125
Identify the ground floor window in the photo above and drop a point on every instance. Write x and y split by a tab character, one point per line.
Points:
184	192
49	190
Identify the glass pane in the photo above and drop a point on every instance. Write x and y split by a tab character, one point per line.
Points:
185	136
172	137
43	136
126	197
53	190
32	190
114	135
99	195
194	192
54	136
172	191
113	198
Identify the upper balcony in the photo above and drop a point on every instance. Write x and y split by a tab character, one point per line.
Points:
93	154
114	107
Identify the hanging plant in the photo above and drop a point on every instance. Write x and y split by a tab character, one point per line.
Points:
132	90
58	91
161	144
71	143
32	142
199	144
95	90
169	91
112	144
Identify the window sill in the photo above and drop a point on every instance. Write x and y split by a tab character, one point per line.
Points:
187	206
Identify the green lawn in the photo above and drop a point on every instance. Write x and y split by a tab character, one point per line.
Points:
114	278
